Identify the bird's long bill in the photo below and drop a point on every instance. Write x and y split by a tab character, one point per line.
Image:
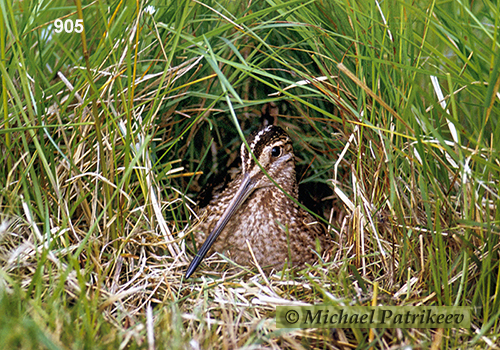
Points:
246	187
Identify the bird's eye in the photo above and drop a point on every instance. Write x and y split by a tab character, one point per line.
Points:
276	151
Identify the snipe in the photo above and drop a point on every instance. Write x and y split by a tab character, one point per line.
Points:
253	209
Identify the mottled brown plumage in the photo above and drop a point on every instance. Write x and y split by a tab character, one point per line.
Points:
252	208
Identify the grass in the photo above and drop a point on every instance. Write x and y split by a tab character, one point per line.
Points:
393	109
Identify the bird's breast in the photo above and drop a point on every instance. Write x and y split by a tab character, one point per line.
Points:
270	223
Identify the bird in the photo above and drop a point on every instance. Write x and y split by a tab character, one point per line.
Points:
253	209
